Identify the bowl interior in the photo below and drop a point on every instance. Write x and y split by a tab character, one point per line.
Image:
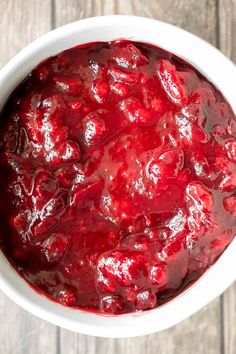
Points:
218	69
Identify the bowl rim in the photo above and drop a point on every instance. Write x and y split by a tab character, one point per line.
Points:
203	290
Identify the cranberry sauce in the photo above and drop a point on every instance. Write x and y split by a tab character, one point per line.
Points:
118	176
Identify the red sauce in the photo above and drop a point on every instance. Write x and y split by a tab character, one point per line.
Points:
118	175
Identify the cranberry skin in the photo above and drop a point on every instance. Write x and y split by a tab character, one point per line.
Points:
69	174
120	89
172	82
201	166
45	187
134	111
95	129
168	165
128	56
69	151
145	300
21	221
113	305
122	267
84	193
54	248
42	72
228	182
199	196
231	150
232	126
176	257
121	176
100	90
68	84
66	297
157	275
230	204
123	76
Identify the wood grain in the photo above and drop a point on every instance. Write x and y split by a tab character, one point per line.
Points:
21	332
227	27
198	334
20	23
229	317
227	31
198	17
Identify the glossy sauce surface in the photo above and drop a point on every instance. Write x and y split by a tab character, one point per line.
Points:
118	175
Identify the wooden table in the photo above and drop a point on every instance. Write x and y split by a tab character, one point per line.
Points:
213	329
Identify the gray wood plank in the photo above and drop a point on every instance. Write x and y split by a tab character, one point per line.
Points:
202	332
227	30
227	27
197	17
21	22
198	334
229	315
20	332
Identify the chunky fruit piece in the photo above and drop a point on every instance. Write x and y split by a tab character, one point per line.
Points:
228	182
134	111
42	72
190	131
68	151
232	127
100	89
128	56
123	76
21	221
166	166
69	174
95	129
201	165
230	204
83	193
172	82
54	248
45	187
112	304
157	275
231	150
72	85
118	177
199	196
145	300
66	297
123	267
173	160
120	89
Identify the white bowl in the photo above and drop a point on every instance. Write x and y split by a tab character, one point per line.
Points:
212	64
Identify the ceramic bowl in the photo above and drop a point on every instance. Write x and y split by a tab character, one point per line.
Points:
219	70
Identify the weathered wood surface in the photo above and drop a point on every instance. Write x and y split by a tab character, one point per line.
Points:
226	41
227	27
213	329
